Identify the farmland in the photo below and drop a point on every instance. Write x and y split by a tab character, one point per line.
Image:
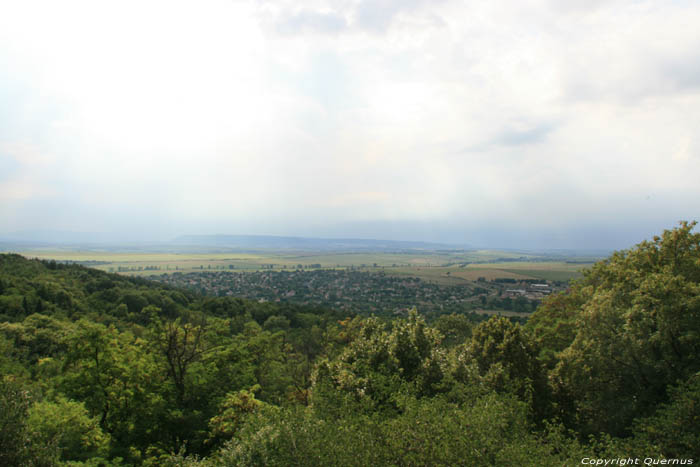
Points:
383	282
445	268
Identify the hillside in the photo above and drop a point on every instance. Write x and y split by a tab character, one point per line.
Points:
100	369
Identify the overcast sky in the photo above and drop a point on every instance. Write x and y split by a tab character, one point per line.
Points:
528	123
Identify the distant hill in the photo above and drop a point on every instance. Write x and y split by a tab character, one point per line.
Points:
206	243
269	242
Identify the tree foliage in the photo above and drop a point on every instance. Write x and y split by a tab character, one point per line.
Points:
108	370
637	332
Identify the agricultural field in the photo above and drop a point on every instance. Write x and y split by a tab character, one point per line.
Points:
517	270
545	270
144	264
443	268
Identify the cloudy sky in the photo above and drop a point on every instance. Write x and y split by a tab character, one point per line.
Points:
528	123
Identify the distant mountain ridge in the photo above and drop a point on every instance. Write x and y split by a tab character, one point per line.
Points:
303	243
207	243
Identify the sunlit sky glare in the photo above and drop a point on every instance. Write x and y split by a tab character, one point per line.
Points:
524	124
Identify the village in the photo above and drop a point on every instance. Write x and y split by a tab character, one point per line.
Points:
365	292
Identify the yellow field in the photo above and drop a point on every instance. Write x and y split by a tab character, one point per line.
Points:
531	265
137	257
475	273
158	263
447	269
544	270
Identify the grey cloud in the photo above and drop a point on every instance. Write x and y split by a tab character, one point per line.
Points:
666	76
517	136
682	74
659	79
377	15
635	72
313	21
513	135
578	6
368	15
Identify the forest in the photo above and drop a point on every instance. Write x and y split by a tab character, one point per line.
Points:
98	369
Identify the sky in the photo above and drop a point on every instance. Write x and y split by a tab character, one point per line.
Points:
520	124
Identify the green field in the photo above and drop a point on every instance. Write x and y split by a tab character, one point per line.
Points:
439	267
545	270
553	271
157	263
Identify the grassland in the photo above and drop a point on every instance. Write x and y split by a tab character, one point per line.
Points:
545	270
447	268
157	263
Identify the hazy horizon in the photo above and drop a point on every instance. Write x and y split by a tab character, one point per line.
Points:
73	240
522	125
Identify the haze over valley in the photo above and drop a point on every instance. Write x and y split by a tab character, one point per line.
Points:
529	126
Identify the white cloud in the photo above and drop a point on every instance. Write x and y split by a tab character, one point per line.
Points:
263	113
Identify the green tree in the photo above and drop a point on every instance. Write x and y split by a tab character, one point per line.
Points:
673	430
235	407
379	363
553	326
507	361
181	345
68	425
637	332
456	329
18	444
116	376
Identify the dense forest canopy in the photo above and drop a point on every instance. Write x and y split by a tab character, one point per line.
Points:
100	369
